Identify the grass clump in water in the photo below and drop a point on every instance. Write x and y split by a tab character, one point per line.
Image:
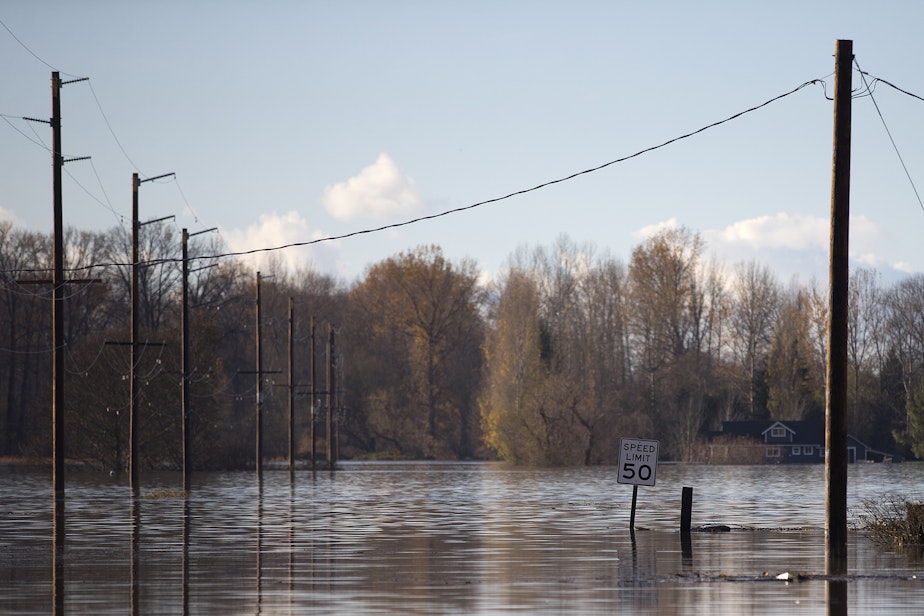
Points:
893	520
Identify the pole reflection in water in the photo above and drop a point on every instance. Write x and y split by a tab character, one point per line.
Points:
136	554
58	557
686	548
186	523
291	524
441	538
836	588
259	529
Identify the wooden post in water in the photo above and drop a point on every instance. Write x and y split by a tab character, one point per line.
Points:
686	515
836	381
686	511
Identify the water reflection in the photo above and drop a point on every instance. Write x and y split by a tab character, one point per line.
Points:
135	569
447	538
58	524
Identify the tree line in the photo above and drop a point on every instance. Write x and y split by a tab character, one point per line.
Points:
550	363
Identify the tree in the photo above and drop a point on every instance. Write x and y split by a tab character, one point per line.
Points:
756	301
905	324
864	326
670	326
513	373
26	340
792	377
418	316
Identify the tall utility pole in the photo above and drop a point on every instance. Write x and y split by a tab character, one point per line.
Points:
57	408
133	468
291	384
57	281
184	405
331	378
184	402
259	410
313	435
836	411
260	372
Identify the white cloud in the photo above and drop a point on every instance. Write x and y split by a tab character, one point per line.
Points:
7	215
274	230
791	244
780	231
650	230
380	191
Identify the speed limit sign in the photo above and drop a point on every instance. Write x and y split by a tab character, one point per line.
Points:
638	461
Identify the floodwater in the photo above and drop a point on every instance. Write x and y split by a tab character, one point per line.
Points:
447	538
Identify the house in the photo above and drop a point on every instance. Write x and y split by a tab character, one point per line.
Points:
791	442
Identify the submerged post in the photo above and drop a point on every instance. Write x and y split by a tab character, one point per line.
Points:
686	515
686	510
836	381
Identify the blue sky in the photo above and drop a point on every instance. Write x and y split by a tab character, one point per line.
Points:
292	121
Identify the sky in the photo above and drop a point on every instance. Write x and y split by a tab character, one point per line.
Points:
289	122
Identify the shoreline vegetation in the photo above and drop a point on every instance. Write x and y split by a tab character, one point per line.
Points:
547	363
893	519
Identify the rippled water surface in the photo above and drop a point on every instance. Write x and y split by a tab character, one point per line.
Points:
431	538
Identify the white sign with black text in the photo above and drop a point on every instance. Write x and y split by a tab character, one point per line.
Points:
638	461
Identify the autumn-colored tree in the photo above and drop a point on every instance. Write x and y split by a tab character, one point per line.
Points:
670	325
513	372
794	381
417	318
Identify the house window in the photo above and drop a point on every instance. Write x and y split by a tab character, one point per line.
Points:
773	452
797	451
808	450
778	432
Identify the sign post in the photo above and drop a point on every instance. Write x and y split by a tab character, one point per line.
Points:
638	466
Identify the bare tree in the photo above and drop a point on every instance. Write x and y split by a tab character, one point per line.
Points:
756	302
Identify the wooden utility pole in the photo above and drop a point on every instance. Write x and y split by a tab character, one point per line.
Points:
133	426
836	381
184	405
57	404
314	403
133	470
291	384
259	417
184	362
58	282
331	449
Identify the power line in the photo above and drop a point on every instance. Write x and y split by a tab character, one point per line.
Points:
479	203
892	85
526	190
112	132
888	132
38	142
26	47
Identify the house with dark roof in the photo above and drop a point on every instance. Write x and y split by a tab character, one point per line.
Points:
792	442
